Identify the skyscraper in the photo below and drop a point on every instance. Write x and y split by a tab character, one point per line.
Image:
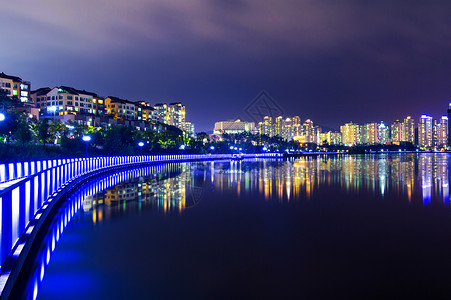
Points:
369	134
408	130
350	134
396	130
449	124
425	132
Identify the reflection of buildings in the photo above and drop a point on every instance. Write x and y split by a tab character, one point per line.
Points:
396	176
165	189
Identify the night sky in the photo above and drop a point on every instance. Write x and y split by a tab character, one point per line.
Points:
330	61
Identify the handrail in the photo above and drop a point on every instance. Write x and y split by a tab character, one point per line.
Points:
20	202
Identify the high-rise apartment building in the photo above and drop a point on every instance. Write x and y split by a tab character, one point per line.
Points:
408	130
449	124
265	127
440	132
176	115
279	127
350	134
369	134
383	133
396	132
425	132
172	114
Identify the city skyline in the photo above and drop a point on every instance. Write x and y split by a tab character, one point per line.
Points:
327	61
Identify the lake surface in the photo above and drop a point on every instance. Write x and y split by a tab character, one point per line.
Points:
374	226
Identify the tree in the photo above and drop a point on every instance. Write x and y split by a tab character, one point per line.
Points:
56	130
42	130
23	131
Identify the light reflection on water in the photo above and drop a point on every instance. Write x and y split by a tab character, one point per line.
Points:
412	179
402	176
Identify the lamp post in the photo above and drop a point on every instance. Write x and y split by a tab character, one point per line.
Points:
141	145
53	108
86	139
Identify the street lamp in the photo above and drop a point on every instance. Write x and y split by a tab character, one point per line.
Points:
2	117
52	108
212	148
86	139
182	147
141	145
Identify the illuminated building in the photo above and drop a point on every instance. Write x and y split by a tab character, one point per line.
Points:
64	100
172	114
350	134
146	112
296	125
396	130
176	115
16	87
310	132
265	127
120	108
189	128
233	127
279	126
425	132
382	133
161	113
440	132
287	134
449	124
98	106
408	130
369	134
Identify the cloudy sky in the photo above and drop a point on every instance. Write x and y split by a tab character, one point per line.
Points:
330	61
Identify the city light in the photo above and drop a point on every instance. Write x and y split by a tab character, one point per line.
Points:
212	148
182	147
2	117
86	139
141	145
231	147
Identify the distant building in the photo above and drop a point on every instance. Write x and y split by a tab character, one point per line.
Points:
449	124
16	87
383	133
172	114
279	126
189	128
440	133
350	134
408	130
233	127
265	127
369	134
176	115
396	130
425	132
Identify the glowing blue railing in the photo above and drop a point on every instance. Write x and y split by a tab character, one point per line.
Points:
21	201
29	188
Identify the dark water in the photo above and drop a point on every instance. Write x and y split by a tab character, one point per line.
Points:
337	227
